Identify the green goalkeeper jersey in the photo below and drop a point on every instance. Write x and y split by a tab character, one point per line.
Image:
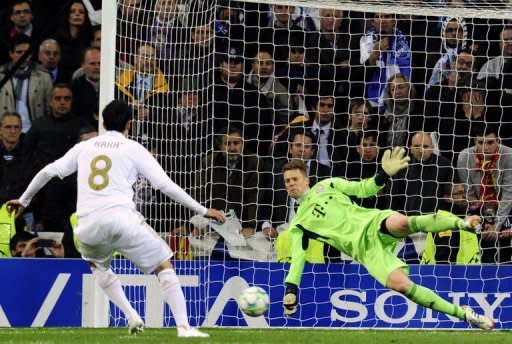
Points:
326	213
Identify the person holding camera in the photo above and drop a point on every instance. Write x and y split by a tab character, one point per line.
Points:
28	245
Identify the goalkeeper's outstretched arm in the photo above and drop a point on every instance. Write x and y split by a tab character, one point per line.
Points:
294	276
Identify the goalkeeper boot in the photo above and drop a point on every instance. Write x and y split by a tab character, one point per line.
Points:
135	326
191	332
478	320
472	224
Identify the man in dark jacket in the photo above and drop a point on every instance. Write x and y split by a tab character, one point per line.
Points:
48	139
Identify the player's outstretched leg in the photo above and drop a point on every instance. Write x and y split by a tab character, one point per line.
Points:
442	221
401	283
173	295
111	285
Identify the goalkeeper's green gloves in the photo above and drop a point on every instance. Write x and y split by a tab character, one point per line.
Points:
290	299
394	161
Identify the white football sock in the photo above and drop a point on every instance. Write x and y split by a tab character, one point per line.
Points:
173	295
111	285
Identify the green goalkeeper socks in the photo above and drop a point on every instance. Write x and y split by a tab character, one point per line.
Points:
434	223
426	297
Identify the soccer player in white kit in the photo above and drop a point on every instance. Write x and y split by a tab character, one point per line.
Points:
108	166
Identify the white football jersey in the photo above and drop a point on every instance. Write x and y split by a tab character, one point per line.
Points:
108	166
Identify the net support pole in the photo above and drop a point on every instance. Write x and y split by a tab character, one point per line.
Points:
108	56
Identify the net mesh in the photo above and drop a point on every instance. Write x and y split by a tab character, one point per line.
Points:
200	75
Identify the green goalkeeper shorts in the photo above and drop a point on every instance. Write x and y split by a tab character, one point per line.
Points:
378	256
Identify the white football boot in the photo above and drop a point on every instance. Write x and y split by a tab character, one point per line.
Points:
478	320
191	332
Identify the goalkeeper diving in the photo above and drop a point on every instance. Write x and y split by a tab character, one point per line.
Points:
327	214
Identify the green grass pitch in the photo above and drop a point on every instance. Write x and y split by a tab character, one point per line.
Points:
248	336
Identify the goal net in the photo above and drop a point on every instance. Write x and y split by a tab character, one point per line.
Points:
225	92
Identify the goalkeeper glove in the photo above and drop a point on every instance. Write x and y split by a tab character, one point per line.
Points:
290	299
394	161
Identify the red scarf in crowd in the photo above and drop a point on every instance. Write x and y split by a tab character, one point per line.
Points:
488	191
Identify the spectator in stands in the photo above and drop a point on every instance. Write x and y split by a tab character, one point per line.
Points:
16	169
326	126
49	138
28	91
166	34
197	56
418	189
49	58
422	33
335	48
239	103
130	28
454	35
231	177
486	171
277	207
445	91
284	31
22	24
403	113
366	166
146	89
74	35
86	133
262	77
86	89
28	245
384	52
497	77
349	138
96	37
450	247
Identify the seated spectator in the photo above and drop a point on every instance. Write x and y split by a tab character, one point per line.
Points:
49	58
335	48
449	247
16	167
239	103
445	92
231	177
22	24
48	139
86	89
28	245
349	138
74	34
403	113
366	166
262	77
486	171
418	189
28	91
146	89
166	34
454	34
384	52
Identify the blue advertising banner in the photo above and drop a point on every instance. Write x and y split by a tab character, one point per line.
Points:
60	293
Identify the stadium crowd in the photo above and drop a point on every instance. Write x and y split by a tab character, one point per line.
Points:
224	93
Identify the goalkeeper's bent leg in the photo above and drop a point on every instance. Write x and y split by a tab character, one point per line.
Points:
434	223
427	298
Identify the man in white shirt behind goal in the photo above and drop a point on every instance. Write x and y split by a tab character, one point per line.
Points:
108	166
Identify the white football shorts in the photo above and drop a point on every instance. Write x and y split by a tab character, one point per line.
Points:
120	229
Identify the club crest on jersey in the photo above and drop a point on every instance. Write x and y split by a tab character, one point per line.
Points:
320	190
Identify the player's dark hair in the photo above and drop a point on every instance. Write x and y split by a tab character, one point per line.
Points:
116	114
296	164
